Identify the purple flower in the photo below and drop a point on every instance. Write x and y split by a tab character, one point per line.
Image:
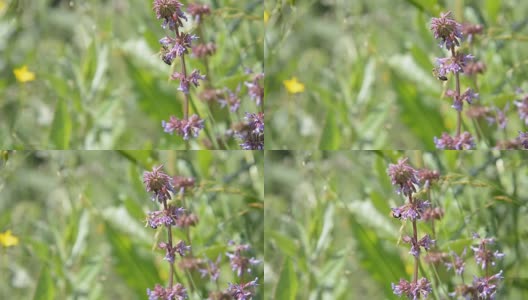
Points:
240	291
469	95
195	76
166	41
446	29
411	211
445	142
185	128
412	290
212	270
252	134
522	108
240	263
177	292
170	252
158	183
186	81
457	263
454	64
499	117
487	286
164	217
183	42
483	255
232	100
403	176
256	92
426	242
181	248
462	142
523	139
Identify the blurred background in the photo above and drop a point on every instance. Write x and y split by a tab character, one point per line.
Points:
87	74
358	74
330	233
72	224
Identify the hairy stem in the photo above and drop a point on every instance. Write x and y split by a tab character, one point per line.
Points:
169	242
415	241
457	95
184	73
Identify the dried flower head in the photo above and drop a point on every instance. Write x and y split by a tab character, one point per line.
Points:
198	10
426	177
403	176
446	29
158	183
433	214
203	50
166	9
470	30
182	183
472	68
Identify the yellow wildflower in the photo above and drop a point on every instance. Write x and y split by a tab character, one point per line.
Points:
8	240
266	17
22	74
293	86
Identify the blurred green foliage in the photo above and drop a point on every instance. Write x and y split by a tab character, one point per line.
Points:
80	219
367	70
99	83
330	234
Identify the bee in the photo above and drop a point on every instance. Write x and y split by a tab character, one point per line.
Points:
440	77
396	215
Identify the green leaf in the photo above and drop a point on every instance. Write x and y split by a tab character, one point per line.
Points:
384	266
330	136
45	286
492	9
287	284
284	243
138	271
61	128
